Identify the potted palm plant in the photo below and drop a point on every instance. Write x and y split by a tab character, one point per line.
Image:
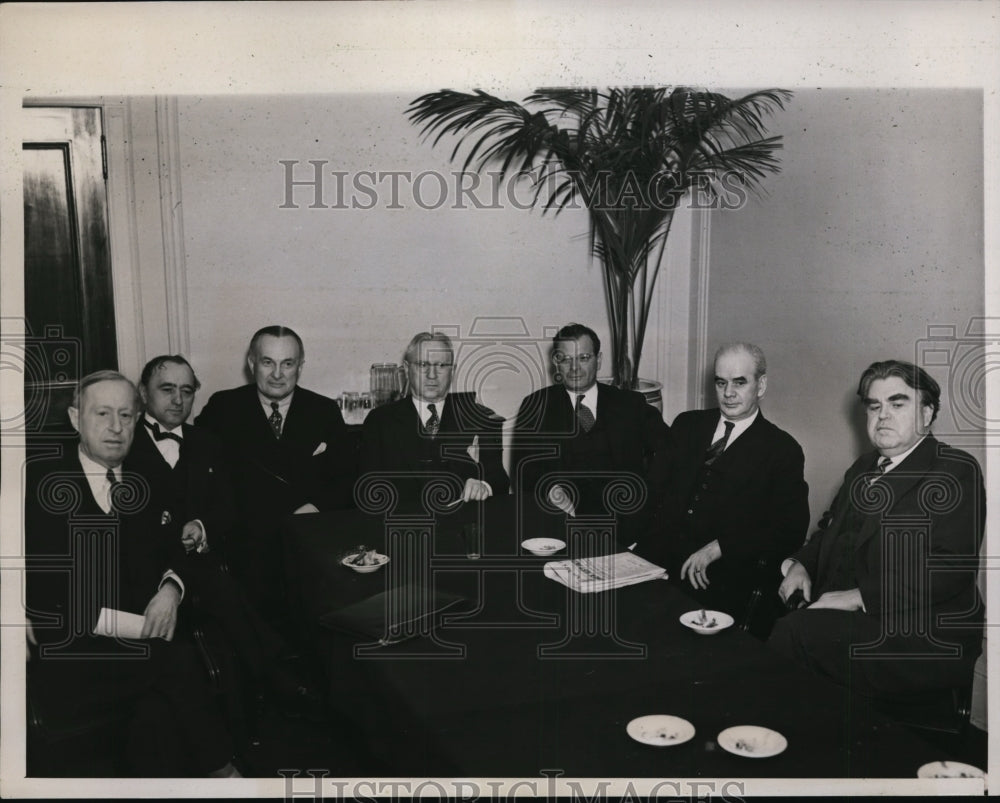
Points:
631	155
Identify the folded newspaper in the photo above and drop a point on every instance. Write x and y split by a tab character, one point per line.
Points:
607	571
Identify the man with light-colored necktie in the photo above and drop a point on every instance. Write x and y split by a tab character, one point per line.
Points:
575	439
432	430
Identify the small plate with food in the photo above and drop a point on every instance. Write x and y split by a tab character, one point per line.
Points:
364	560
543	546
660	730
705	622
752	741
949	769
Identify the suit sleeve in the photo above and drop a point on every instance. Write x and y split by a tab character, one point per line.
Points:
525	468
491	457
331	485
784	509
955	533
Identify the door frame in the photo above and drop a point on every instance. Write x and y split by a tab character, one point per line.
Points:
145	225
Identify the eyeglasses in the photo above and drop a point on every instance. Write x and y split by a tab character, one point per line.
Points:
581	359
437	366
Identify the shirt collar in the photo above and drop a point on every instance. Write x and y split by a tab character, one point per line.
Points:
423	412
283	405
901	457
589	398
178	430
739	427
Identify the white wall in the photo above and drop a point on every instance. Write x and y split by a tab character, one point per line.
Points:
357	284
872	233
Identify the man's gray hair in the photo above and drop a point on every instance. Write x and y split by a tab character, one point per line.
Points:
426	337
101	376
755	352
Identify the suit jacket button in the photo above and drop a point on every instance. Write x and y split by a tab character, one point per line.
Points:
690	511
704	485
696	497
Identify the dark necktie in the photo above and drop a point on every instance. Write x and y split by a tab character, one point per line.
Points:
112	489
719	446
431	427
584	414
275	420
883	464
159	434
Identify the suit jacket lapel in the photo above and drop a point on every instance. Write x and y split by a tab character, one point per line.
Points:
901	481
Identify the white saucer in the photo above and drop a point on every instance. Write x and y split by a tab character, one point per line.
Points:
543	546
374	567
949	769
660	730
752	741
716	621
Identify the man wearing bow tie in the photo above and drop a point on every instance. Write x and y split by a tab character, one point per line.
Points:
432	430
889	579
573	438
736	502
290	453
186	467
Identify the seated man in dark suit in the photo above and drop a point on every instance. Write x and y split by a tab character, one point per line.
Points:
736	501
891	577
578	427
289	451
432	429
186	467
97	543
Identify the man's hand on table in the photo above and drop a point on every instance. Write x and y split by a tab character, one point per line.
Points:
560	498
695	568
161	613
193	537
476	490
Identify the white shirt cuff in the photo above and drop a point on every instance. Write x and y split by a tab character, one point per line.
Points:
170	575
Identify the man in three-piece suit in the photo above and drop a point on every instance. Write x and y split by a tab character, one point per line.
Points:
98	541
736	501
433	430
289	451
579	427
891	577
186	466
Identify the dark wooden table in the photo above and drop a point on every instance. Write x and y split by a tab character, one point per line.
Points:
529	676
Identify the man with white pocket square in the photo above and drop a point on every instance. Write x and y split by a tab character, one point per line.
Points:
289	449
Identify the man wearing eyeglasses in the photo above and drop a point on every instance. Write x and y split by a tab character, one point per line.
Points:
578	427
433	431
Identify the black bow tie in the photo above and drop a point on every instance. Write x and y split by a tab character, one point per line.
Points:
159	434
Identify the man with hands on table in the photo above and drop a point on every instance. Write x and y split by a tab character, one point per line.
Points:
736	501
889	579
433	429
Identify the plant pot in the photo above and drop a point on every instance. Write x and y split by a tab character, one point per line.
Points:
649	388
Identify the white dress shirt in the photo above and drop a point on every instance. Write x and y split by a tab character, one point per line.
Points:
168	447
589	398
283	406
739	427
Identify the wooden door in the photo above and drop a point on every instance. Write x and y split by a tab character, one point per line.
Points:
68	294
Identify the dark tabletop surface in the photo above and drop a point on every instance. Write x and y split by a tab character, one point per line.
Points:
528	675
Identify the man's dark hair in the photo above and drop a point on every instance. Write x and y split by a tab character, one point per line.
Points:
913	375
572	331
276	331
157	363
